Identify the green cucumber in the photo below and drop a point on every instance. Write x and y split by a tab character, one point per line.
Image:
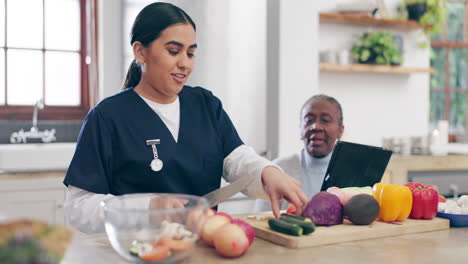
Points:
282	226
298	217
307	225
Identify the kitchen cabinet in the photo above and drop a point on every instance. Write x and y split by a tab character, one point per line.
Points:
41	195
33	195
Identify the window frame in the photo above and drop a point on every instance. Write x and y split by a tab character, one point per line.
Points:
88	38
448	45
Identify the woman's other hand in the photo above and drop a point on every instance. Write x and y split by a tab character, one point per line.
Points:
279	185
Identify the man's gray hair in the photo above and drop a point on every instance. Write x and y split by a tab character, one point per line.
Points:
329	99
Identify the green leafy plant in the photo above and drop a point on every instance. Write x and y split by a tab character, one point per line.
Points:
377	48
433	18
24	248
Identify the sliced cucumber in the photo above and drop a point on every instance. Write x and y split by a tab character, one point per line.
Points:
134	249
307	225
282	226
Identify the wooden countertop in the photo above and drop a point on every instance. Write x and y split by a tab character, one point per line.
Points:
447	246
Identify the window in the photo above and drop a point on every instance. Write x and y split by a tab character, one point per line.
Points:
46	52
449	57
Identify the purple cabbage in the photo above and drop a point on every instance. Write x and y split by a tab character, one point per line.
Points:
324	209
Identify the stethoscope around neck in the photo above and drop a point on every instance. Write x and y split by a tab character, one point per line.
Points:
156	164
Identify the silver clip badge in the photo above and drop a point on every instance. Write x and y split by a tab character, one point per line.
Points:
156	164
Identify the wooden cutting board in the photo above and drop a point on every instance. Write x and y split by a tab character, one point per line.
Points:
342	233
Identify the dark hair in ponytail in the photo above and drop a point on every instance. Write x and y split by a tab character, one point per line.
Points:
148	25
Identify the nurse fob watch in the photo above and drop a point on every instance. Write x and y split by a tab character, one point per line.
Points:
156	164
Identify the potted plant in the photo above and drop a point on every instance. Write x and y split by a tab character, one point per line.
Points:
416	9
429	13
377	48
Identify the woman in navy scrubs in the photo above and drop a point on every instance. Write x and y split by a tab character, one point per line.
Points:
158	135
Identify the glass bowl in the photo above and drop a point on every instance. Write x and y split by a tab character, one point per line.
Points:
152	227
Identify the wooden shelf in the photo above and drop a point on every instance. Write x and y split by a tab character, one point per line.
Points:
371	68
367	20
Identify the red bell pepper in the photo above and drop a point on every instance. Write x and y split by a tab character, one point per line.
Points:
425	200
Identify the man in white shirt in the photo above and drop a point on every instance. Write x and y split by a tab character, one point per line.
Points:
321	126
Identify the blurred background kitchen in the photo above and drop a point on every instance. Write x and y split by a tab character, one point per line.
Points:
402	83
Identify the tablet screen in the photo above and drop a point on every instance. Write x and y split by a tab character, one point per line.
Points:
355	165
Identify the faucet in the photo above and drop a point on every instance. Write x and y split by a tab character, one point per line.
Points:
46	136
39	105
453	188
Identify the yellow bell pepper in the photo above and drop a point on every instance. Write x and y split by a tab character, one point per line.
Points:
395	201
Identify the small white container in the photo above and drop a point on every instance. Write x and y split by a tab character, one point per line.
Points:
343	57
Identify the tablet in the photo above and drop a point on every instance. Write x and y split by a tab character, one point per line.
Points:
355	165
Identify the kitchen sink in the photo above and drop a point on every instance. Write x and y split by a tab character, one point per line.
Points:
35	157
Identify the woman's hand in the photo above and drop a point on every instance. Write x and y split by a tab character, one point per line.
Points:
165	203
279	185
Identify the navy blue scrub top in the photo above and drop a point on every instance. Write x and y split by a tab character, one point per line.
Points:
112	156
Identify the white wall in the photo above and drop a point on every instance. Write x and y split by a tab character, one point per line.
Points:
246	70
377	105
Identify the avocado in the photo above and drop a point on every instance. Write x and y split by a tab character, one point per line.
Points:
361	209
